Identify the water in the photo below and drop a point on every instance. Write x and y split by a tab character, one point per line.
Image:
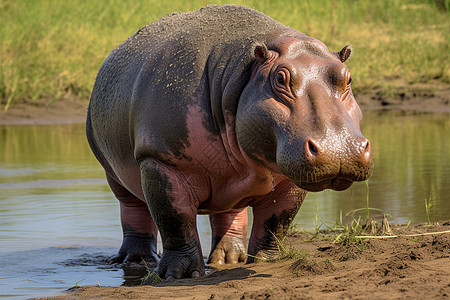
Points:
59	221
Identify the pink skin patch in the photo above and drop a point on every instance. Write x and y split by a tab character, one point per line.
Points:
221	174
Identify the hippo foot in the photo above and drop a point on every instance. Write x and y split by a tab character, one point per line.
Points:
135	249
229	250
179	264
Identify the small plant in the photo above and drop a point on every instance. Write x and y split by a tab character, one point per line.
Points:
316	218
316	222
357	227
367	198
409	223
294	228
76	283
347	236
284	251
428	205
151	277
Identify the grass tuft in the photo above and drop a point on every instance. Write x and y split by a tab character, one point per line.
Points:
352	233
151	277
428	206
283	251
288	251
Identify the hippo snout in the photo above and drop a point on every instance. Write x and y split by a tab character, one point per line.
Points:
317	164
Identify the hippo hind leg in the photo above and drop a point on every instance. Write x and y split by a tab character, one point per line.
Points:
229	235
139	230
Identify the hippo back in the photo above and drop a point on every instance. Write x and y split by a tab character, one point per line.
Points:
202	57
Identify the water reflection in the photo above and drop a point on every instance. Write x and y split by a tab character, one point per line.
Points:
53	193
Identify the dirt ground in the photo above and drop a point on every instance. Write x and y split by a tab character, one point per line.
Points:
411	266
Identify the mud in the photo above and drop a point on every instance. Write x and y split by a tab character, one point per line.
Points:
390	268
418	97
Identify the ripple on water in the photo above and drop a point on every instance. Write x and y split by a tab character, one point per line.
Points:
42	272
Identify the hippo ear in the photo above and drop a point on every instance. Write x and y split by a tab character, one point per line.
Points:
261	53
345	53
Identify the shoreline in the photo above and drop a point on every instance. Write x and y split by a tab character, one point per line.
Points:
60	112
403	267
72	110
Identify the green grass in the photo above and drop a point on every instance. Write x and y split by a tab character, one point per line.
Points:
428	206
347	233
360	229
51	50
151	277
284	251
287	251
367	198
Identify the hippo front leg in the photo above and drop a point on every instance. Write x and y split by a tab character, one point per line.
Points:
174	210
272	217
229	237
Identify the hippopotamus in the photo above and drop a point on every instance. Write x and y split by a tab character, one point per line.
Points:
211	112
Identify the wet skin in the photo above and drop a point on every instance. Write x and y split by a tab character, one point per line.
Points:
251	114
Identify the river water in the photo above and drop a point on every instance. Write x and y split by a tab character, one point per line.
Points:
59	221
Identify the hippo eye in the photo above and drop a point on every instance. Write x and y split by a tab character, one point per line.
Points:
280	78
281	82
349	81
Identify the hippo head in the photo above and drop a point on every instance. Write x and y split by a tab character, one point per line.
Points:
297	115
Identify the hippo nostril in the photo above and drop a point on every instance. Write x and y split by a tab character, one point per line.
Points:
312	148
365	151
365	146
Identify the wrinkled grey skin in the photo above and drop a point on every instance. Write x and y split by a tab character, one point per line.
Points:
210	112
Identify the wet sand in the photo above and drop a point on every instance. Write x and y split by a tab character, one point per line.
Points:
405	267
59	112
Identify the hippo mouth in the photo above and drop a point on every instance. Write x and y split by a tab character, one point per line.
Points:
337	184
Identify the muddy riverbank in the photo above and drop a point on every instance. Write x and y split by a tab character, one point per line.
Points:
415	265
413	97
